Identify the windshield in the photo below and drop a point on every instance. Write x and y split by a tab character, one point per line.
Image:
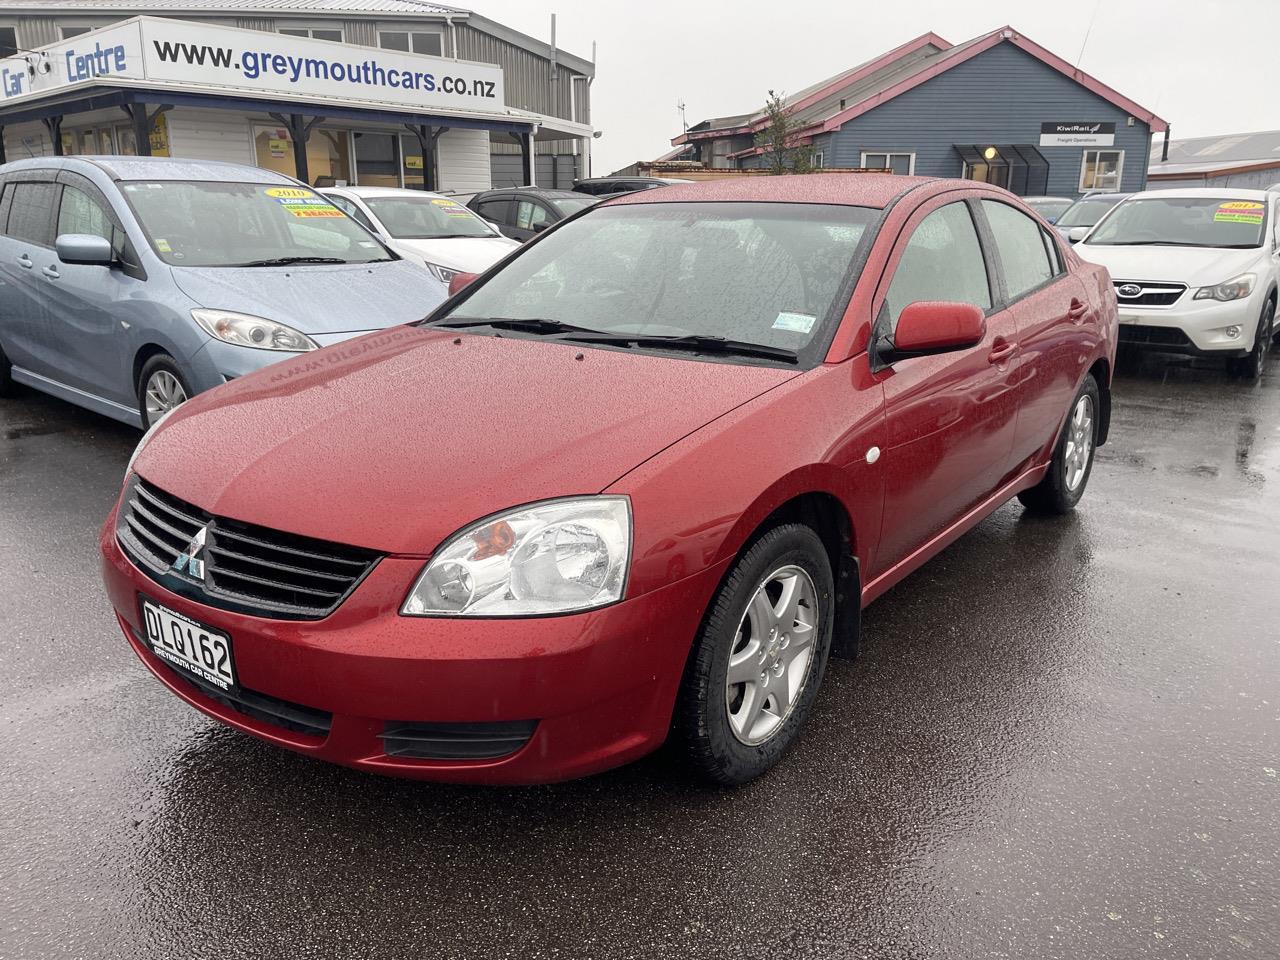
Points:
760	273
1049	208
426	218
1085	213
211	224
1184	222
571	205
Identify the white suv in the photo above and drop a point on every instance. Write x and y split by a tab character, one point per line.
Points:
1195	271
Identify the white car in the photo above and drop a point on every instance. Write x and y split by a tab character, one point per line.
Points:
1195	271
427	228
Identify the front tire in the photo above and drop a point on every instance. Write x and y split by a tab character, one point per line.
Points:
161	387
7	385
1251	367
1063	485
759	658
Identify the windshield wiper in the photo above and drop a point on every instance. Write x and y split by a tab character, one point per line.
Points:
1149	243
696	343
521	324
286	261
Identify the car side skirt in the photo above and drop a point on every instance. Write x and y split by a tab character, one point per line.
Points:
913	561
81	398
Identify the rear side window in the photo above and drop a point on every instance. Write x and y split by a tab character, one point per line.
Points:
1021	247
498	211
943	261
31	212
531	214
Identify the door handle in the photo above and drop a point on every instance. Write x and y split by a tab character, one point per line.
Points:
25	261
1077	310
51	272
1001	350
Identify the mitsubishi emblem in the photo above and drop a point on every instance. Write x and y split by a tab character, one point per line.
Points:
192	557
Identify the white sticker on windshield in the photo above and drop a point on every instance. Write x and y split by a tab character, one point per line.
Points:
796	322
366	243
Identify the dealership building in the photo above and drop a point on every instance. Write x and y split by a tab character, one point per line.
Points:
999	108
371	92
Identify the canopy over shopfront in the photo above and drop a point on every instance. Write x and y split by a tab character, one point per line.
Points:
284	90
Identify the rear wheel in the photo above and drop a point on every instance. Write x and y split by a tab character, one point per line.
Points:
161	387
1063	485
759	657
1250	367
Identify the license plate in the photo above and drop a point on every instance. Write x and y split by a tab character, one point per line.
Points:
189	646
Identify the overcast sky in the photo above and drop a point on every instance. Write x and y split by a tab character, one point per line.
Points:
1206	66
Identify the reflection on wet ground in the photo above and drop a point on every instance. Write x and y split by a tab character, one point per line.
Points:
1062	740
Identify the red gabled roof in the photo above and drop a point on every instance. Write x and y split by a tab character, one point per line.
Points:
958	55
948	57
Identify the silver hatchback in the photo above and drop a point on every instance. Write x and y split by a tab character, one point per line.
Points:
128	284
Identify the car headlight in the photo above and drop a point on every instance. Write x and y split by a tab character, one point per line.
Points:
1234	289
443	274
245	330
547	558
147	436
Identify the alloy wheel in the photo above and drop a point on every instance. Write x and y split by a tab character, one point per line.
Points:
771	653
1079	442
164	392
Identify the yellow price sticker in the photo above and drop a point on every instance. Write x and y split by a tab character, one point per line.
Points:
288	192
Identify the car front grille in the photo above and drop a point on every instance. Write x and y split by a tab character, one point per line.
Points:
1154	336
245	568
456	741
1150	293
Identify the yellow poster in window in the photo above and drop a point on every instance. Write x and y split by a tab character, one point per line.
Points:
413	163
159	137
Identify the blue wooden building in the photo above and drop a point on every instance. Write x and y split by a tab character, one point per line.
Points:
998	108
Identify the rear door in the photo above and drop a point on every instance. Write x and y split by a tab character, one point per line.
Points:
1051	306
950	418
26	249
91	307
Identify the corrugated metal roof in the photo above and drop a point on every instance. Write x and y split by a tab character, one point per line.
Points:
236	6
1224	150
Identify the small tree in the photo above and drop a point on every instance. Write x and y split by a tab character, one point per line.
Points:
781	154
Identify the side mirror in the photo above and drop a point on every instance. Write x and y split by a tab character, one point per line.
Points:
539	227
928	327
1076	234
84	248
459	281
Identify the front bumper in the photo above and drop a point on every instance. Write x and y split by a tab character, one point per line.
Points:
600	685
1195	327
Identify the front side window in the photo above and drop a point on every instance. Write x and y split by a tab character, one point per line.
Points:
81	213
900	163
1020	245
1101	169
764	273
571	205
215	224
426	218
1183	222
942	261
30	218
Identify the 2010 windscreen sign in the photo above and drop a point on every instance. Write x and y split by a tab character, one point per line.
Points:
1077	134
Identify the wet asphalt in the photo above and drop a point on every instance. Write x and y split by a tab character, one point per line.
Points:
1062	740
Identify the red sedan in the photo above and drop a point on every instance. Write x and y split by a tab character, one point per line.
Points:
634	484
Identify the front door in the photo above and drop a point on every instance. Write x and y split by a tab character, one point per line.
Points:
950	418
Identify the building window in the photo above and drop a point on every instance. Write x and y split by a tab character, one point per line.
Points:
425	43
817	159
902	163
69	32
1101	170
315	33
8	42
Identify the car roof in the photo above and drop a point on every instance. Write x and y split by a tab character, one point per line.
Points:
385	192
1226	193
1029	199
536	191
158	168
847	189
1105	196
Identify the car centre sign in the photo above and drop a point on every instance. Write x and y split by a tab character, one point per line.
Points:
1077	134
200	56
